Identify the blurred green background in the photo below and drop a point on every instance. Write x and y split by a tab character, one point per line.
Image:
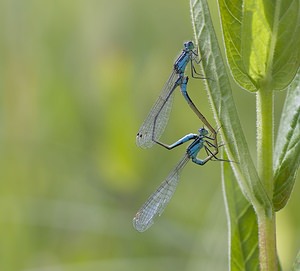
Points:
77	78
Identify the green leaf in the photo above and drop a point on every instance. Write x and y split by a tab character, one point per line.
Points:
262	40
296	266
244	251
220	95
287	149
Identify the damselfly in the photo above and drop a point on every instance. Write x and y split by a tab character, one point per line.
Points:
157	202
156	121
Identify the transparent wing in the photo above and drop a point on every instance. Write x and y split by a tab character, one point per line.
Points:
157	119
158	201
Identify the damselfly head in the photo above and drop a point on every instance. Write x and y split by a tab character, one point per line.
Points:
203	132
189	45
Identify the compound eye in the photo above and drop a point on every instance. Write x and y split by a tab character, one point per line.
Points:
190	45
203	131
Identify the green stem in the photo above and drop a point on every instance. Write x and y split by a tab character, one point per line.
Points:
266	220
265	139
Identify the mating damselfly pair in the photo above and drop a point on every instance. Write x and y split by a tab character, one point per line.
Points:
153	127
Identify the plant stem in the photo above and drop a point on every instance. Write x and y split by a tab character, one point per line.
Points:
266	218
265	139
267	242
